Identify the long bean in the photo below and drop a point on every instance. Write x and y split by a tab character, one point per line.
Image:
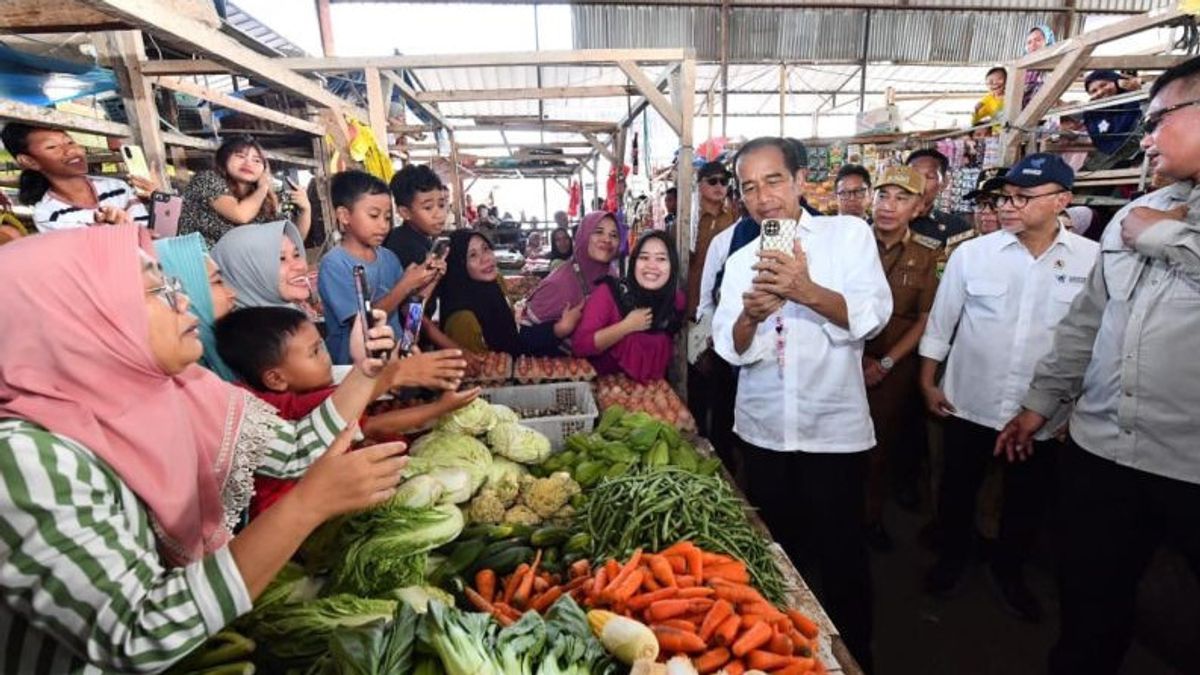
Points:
657	508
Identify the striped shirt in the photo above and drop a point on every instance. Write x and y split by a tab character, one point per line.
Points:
82	587
53	213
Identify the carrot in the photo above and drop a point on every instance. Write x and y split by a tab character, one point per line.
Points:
618	580
520	597
540	584
662	570
799	667
696	592
485	583
612	567
678	564
508	611
749	620
677	623
580	568
800	644
660	610
677	548
598	583
543	600
649	584
676	640
754	637
734	571
484	605
510	586
628	587
713	618
711	660
763	660
685	580
695	563
736	593
806	626
735	667
781	644
764	608
640	602
728	629
711	558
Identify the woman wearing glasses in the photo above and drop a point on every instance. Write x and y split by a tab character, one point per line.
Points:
124	466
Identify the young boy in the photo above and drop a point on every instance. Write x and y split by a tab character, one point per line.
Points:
363	209
279	355
422	202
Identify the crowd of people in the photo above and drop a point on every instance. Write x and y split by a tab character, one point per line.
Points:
171	430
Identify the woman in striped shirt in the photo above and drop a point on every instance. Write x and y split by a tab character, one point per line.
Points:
123	465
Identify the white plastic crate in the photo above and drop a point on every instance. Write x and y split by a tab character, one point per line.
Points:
557	394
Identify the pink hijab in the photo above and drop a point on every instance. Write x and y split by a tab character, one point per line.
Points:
563	287
75	358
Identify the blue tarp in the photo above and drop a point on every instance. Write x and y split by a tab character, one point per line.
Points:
42	80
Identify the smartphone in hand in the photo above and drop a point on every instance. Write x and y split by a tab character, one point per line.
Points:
135	160
362	294
778	235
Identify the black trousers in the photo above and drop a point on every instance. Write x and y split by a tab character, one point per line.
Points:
813	503
1114	517
1028	487
712	388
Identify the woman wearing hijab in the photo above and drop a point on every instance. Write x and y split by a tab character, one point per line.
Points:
265	264
124	466
210	298
475	310
560	247
555	305
628	325
1038	37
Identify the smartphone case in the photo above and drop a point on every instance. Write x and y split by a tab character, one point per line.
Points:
778	235
164	214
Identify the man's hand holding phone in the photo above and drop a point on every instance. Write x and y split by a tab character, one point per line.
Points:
784	275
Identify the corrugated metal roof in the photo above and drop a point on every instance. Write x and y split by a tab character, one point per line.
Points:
251	27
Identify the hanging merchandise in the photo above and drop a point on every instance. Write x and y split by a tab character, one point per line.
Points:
635	153
575	200
364	148
614	188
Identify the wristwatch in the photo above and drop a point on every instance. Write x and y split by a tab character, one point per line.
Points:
887	362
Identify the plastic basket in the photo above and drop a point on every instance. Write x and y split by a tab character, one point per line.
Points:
558	394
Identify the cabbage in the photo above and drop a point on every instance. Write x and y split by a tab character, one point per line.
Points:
475	418
457	486
518	443
504	414
445	450
420	492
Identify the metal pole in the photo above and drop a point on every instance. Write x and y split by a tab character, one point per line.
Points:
862	66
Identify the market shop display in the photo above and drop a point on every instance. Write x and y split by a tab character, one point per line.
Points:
655	397
537	369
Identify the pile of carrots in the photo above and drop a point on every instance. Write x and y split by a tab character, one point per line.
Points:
698	603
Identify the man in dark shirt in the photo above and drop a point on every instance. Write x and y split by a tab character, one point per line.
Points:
1113	130
948	228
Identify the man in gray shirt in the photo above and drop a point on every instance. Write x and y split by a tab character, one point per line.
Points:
1126	356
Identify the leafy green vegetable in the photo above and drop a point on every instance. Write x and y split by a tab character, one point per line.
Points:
290	585
450	451
299	632
518	645
475	418
376	648
461	640
519	443
504	413
420	492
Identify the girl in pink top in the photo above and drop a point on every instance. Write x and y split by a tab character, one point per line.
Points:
628	325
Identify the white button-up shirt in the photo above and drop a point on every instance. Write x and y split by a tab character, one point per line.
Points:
1005	304
815	401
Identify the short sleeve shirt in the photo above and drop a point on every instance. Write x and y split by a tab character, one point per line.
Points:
911	270
53	213
198	214
335	283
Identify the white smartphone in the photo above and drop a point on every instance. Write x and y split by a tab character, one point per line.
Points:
778	235
135	160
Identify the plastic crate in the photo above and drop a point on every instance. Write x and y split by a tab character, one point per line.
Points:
560	394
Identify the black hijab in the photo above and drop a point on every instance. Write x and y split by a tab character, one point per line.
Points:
630	295
485	299
555	254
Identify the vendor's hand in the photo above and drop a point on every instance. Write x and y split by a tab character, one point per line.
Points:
569	319
758	305
640	319
936	401
873	371
453	400
144	186
418	277
344	482
1016	439
111	215
785	275
442	369
381	338
1141	218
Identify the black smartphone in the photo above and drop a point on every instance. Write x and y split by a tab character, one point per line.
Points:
362	293
440	247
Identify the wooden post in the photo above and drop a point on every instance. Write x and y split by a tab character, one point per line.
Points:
325	25
725	12
460	198
1014	92
783	84
321	175
125	52
683	214
376	107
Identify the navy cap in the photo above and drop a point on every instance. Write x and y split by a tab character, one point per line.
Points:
1040	168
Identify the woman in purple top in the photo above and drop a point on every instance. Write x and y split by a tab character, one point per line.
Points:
628	325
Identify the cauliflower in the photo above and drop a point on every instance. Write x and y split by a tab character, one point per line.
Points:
486	507
563	515
504	479
522	515
547	495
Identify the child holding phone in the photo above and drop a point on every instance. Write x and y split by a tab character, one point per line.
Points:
363	209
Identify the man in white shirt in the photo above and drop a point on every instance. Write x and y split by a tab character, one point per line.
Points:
795	323
1004	293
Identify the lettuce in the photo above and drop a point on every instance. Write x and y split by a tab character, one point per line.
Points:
446	450
519	443
475	418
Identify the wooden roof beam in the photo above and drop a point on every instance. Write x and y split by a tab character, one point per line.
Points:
413	96
524	94
656	98
1046	58
225	100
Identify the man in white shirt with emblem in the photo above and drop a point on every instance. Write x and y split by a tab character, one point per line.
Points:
795	322
994	317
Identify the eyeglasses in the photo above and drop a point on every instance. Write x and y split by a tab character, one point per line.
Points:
1021	201
1151	121
986	205
717	180
169	292
852	194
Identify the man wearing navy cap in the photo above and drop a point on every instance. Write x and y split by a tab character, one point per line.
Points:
948	228
992	320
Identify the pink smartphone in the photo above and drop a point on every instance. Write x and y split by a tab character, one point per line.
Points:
164	214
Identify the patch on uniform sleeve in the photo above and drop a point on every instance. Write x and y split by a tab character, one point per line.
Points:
960	238
926	241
